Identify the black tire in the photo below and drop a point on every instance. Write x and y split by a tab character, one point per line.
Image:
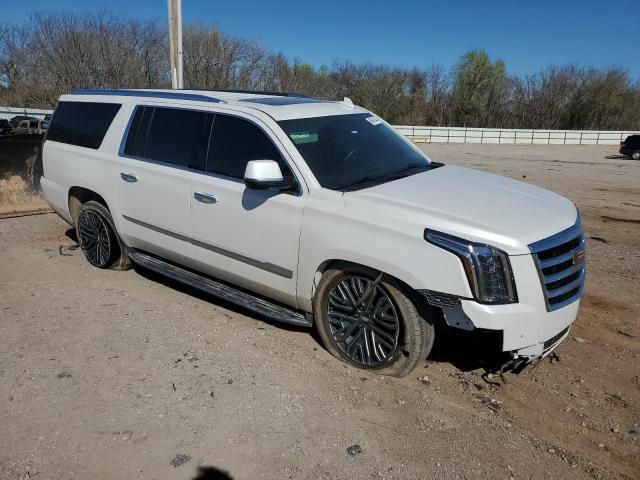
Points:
636	155
98	238
414	337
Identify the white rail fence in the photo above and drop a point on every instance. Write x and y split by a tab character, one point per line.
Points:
495	136
512	136
10	112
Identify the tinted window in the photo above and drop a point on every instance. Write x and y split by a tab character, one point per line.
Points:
235	142
347	152
138	132
179	137
82	123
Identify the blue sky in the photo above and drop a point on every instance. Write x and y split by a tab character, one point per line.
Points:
527	35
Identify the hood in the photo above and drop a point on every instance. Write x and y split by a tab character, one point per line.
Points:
473	205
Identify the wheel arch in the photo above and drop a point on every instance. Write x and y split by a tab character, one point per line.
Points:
419	300
78	195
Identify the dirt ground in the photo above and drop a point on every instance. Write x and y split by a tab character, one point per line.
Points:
110	375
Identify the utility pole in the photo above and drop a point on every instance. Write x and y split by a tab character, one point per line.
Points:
175	42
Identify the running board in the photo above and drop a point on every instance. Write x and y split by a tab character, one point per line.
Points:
263	307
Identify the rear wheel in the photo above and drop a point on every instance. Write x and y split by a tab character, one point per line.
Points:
636	155
365	319
98	239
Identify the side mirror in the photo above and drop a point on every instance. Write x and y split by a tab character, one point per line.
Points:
265	174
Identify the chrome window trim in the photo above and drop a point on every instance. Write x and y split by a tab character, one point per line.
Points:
298	192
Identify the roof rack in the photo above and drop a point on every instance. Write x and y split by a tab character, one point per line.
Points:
253	92
148	93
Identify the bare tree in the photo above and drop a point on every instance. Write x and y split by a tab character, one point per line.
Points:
55	53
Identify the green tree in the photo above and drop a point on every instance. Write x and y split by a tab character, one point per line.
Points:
480	90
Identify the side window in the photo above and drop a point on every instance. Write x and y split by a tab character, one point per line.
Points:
138	132
235	142
170	135
178	137
81	123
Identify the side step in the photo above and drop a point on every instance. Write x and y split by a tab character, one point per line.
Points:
243	299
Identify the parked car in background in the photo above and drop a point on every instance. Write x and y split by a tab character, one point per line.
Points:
631	147
15	121
317	214
5	127
33	126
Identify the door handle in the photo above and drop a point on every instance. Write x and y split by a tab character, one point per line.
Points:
129	177
204	197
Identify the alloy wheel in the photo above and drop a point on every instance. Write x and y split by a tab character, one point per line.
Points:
363	321
94	238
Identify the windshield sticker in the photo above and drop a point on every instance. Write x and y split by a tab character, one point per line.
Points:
304	137
373	120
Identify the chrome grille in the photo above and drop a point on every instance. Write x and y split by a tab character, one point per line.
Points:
560	260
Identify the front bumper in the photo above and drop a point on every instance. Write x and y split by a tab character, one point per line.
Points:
528	329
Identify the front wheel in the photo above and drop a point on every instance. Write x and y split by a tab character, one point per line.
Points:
365	319
636	155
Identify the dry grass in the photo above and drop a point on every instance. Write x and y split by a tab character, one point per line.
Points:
16	196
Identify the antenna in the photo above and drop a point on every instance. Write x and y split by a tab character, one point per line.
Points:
347	101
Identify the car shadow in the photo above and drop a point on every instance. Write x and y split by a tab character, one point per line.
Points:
71	234
252	199
618	157
210	298
212	473
468	350
465	350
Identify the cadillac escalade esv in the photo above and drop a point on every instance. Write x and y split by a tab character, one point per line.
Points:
315	213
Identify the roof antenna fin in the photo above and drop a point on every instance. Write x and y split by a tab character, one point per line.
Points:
347	101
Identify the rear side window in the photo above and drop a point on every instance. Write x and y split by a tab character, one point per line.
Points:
82	123
170	135
235	142
138	132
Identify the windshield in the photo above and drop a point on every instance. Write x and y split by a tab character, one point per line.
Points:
349	152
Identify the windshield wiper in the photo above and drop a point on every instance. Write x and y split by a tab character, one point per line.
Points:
360	181
404	172
408	170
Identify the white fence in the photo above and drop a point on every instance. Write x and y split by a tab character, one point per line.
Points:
456	135
512	136
10	112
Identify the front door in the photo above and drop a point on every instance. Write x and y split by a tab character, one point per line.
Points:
247	237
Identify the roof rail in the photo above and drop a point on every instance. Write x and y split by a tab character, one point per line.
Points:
253	92
148	93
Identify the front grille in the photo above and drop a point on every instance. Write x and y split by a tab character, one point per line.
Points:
560	261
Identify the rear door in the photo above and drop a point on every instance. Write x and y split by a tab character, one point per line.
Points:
248	237
164	150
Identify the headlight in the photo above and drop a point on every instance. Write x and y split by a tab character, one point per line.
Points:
488	269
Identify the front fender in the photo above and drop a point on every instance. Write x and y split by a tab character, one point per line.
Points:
390	245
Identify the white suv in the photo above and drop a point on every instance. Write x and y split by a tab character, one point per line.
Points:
317	213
